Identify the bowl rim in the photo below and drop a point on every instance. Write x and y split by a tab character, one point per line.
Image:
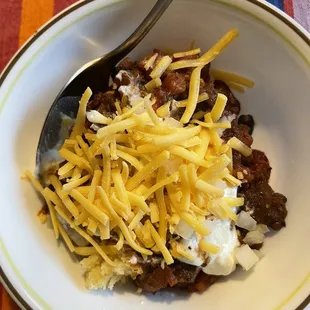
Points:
286	19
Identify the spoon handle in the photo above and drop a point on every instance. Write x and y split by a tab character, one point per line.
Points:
135	38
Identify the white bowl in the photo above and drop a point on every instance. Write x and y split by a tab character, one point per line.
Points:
272	50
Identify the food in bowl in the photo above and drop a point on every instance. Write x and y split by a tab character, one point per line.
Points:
158	182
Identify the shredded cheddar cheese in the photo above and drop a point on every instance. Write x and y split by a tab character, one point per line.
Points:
80	119
142	172
120	223
161	67
164	110
160	199
194	86
230	77
208	56
151	85
239	146
40	189
208	247
65	169
174	138
202	97
160	244
218	107
187	53
150	62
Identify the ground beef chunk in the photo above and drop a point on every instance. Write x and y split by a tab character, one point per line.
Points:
240	131
175	275
258	164
126	64
212	93
208	85
103	103
123	79
255	168
156	280
202	282
208	88
135	77
266	206
233	105
246	173
175	83
139	76
135	74
185	274
205	73
161	97
248	121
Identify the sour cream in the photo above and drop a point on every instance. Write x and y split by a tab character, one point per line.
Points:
132	90
224	235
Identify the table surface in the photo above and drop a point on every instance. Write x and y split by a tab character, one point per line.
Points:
21	18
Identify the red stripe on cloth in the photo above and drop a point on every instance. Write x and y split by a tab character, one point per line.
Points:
1	295
6	303
61	5
9	29
289	8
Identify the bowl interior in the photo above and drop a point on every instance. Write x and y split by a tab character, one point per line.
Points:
266	51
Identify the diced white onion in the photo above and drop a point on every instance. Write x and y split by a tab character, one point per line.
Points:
262	228
94	116
246	257
184	230
246	221
254	237
94	127
230	191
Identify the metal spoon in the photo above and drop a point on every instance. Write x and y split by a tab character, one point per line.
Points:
96	75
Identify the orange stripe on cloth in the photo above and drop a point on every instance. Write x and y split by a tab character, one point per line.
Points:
34	14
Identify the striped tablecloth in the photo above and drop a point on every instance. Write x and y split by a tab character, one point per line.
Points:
19	19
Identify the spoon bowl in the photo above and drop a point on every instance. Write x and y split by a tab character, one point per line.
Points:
96	74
